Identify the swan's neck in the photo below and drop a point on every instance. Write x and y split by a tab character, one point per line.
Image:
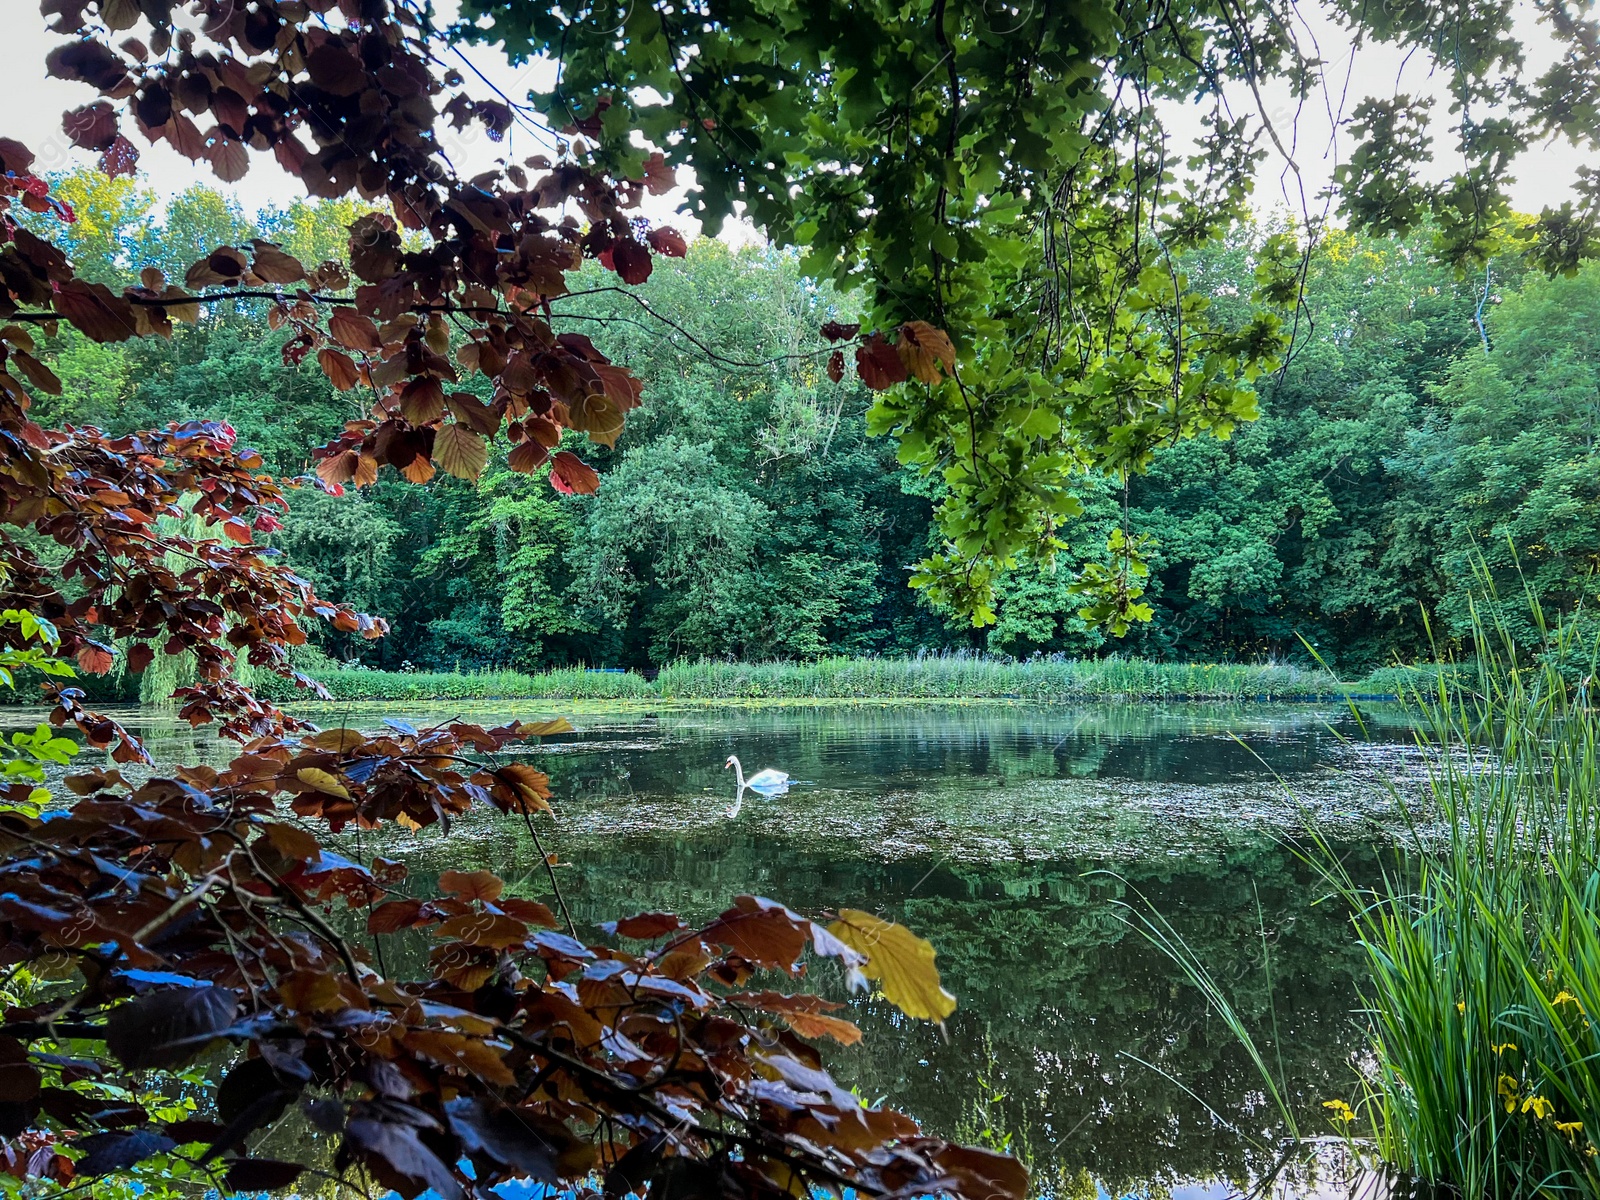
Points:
738	770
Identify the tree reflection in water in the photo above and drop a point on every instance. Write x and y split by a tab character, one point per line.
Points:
1008	836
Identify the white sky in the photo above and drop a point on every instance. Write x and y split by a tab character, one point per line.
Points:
33	104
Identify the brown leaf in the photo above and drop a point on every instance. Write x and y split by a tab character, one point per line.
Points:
101	316
338	468
310	991
644	927
274	265
980	1172
630	260
95	658
924	350
836	366
418	470
668	241
168	1027
517	787
394	916
570	475
492	930
460	452
621	385
293	842
92	127
527	457
354	331
472	885
339	367
399	1160
878	364
530	912
473	413
421	401
466	1054
230	160
816	1025
340	741
597	415
761	931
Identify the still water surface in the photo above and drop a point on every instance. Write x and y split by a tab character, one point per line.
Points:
1015	838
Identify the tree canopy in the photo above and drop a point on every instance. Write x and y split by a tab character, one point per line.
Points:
1004	172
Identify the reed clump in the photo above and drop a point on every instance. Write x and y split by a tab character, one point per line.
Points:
930	677
1483	943
570	683
959	676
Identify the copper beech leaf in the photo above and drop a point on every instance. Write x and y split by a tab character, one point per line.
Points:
644	926
571	475
394	916
528	729
817	1025
460	452
901	962
339	367
761	931
878	364
527	457
517	787
354	331
494	930
472	885
168	1027
274	265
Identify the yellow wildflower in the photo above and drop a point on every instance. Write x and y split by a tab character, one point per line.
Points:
1461	1007
1566	997
1507	1087
1340	1110
1505	1046
1571	1128
1538	1106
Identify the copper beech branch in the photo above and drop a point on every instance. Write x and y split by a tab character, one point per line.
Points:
283	297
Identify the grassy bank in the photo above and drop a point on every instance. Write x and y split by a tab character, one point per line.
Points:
946	677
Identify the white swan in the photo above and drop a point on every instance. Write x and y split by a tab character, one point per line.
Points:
768	782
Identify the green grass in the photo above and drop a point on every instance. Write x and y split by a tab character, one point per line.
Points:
954	676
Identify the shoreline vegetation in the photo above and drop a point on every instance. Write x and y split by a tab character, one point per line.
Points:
930	677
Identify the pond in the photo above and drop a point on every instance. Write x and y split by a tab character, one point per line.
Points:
1020	840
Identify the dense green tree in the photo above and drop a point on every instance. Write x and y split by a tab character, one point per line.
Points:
753	516
1504	474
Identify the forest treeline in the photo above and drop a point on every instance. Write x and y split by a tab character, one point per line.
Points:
747	512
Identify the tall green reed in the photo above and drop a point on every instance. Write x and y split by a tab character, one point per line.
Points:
1482	1070
955	676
